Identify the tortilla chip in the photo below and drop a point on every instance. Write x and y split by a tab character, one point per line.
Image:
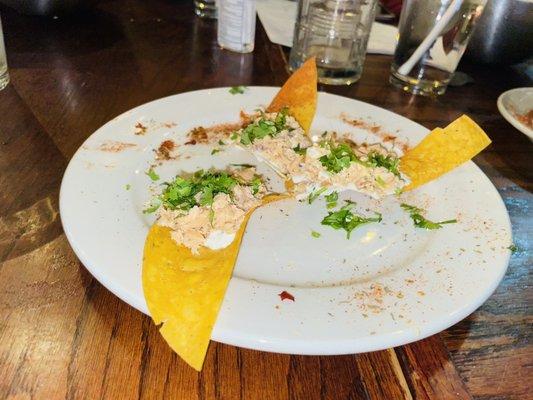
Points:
299	94
443	150
184	291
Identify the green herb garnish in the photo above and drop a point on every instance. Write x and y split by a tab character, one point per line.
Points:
234	136
152	174
215	151
315	234
315	193
128	186
237	89
221	143
379	180
300	150
339	157
513	248
421	222
347	220
264	127
154	205
388	162
197	190
256	184
243	165
331	200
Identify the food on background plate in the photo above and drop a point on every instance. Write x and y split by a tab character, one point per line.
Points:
192	248
525	118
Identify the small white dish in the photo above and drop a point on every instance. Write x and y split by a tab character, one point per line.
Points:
517	101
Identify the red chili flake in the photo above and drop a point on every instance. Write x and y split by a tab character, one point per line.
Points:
286	296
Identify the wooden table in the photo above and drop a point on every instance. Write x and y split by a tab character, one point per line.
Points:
63	335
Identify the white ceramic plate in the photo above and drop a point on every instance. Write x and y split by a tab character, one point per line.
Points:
515	101
388	285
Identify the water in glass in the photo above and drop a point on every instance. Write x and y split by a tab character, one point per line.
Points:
335	32
432	73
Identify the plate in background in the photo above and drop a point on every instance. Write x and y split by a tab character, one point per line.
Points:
517	101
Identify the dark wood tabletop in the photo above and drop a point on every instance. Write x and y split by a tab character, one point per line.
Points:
63	335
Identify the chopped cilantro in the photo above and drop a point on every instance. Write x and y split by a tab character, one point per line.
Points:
154	205
215	151
243	165
315	234
398	191
315	193
388	162
379	180
128	186
347	220
281	119
421	222
338	158
199	189
341	155
234	136
263	127
221	143
237	89
300	150
211	216
152	174
513	248
256	184
331	200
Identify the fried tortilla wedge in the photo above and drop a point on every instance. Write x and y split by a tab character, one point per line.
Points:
299	95
443	150
184	291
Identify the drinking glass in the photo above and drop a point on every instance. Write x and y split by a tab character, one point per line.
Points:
433	35
205	8
335	32
4	75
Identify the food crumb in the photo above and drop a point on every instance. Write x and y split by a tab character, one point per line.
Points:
140	129
286	296
164	152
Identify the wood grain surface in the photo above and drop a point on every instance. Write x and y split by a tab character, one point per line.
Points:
64	336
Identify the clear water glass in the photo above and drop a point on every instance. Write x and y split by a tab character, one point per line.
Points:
205	8
432	73
335	32
4	75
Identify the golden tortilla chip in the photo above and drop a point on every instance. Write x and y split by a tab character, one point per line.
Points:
443	150
184	291
299	94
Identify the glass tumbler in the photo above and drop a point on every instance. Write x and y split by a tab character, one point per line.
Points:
433	35
4	75
335	32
